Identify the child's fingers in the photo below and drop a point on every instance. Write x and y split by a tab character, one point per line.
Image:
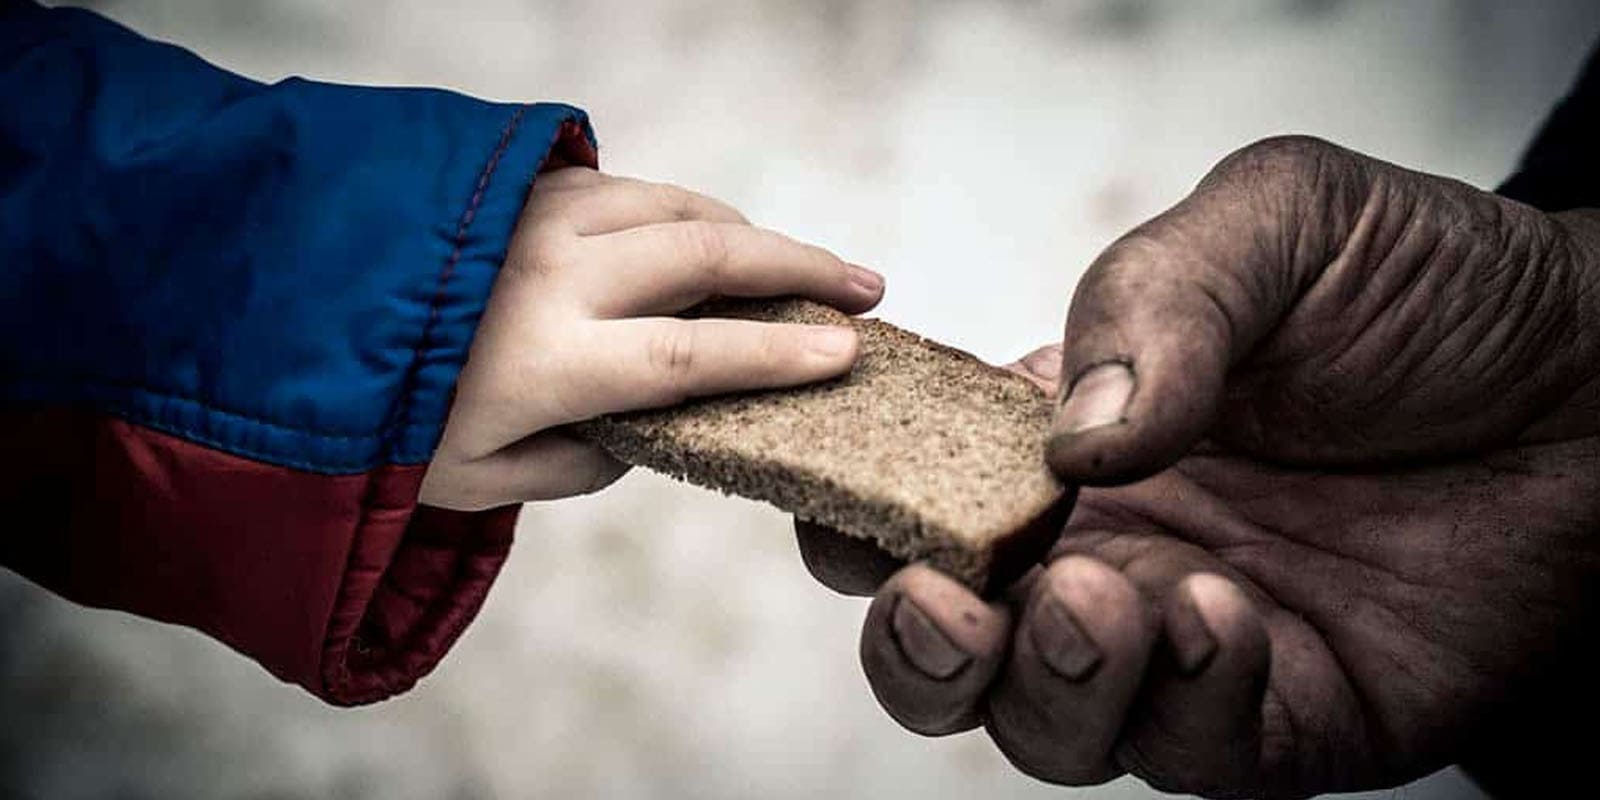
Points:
653	362
616	204
544	466
665	268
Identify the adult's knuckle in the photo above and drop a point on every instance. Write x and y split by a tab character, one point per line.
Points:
1309	179
1150	243
1284	159
1136	262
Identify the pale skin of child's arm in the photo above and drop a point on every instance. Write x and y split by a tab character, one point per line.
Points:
581	323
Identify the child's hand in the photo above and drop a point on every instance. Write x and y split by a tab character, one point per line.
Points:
580	325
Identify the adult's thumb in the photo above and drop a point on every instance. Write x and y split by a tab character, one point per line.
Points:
1164	313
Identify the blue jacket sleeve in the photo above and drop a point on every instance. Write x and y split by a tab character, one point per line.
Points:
290	272
231	319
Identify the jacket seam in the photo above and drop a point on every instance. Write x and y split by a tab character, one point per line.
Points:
335	676
363	450
408	385
351	466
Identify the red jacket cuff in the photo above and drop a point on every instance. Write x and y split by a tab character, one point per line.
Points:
417	576
341	584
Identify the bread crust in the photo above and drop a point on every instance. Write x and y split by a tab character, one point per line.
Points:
923	448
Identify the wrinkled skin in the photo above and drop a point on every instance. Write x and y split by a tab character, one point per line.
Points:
1345	530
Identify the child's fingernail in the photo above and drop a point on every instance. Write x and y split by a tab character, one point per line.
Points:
865	279
831	341
923	644
1097	398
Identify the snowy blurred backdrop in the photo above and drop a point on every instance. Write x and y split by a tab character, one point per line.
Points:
655	640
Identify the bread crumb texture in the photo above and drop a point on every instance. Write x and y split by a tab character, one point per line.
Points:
922	448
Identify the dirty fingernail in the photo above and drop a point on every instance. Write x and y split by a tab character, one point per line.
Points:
1097	398
1191	639
924	645
1061	642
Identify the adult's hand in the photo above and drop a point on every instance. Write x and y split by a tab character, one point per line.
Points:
1343	417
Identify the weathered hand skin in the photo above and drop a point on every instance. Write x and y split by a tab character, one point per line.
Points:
1365	400
1310	305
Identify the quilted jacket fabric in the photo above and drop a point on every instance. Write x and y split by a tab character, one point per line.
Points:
231	318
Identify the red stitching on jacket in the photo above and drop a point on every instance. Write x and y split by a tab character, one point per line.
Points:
404	417
351	671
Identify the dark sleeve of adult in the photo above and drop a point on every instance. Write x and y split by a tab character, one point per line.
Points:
1561	170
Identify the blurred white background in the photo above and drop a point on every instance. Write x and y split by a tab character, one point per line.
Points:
656	640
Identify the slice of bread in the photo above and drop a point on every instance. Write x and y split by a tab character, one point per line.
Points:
922	448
